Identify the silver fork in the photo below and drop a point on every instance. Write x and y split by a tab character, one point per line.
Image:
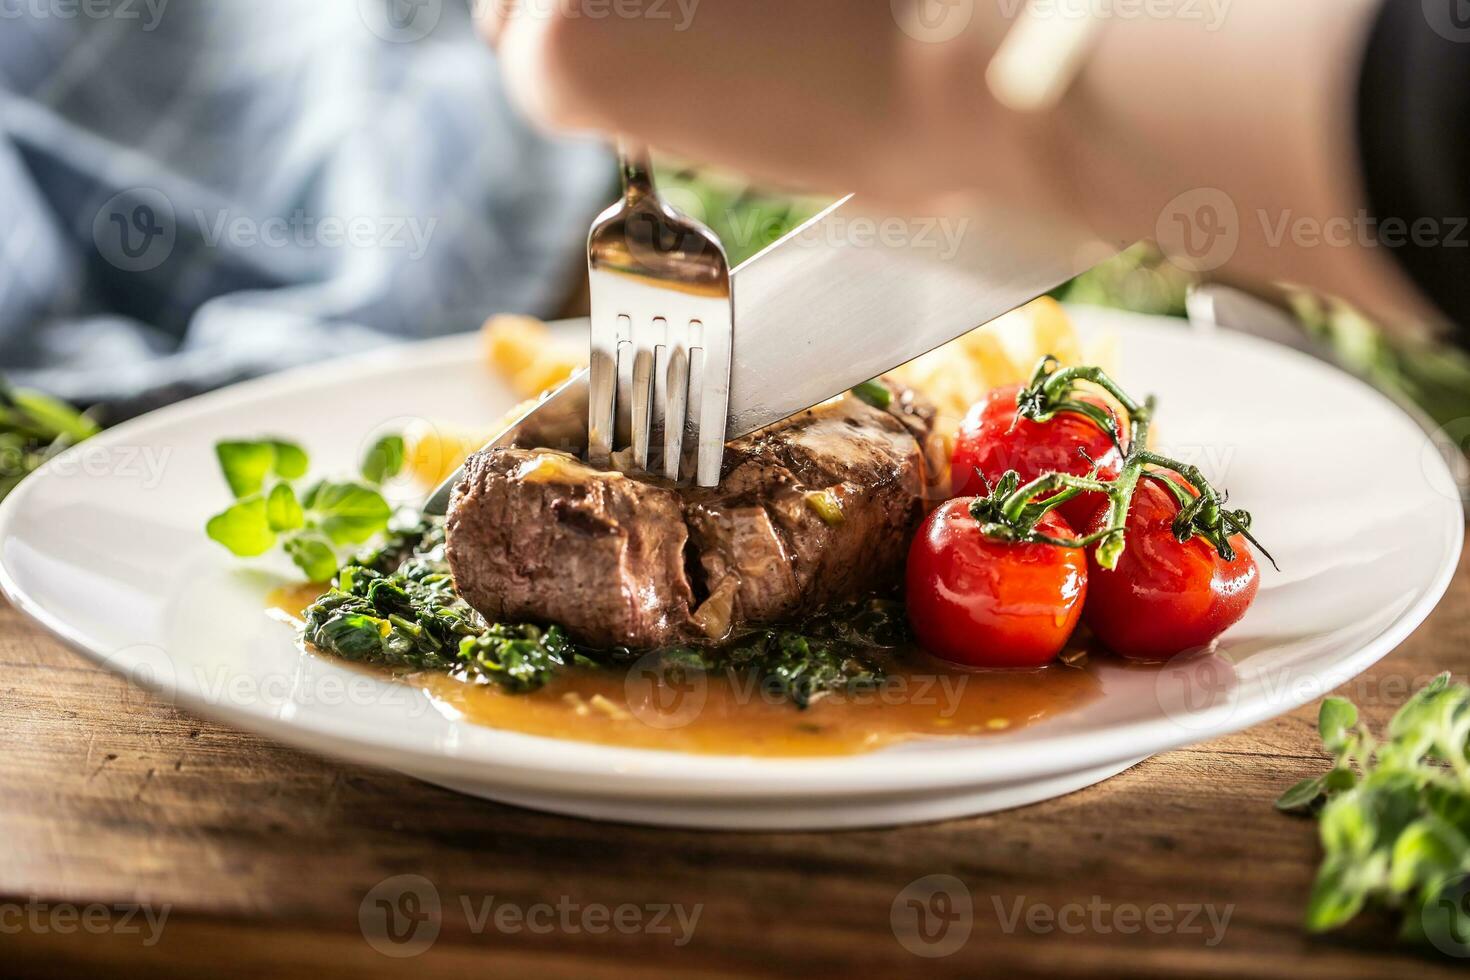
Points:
662	320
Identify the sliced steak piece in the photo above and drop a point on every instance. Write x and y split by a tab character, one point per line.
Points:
762	527
534	535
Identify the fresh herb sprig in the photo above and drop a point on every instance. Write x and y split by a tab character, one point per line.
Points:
1395	816
1010	511
312	523
34	427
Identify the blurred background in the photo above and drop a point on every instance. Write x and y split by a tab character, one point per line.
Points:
196	194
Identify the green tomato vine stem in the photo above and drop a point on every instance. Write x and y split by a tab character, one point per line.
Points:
1010	511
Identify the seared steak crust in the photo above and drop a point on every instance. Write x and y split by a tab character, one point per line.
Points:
535	536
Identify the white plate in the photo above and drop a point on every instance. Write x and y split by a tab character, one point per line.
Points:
104	547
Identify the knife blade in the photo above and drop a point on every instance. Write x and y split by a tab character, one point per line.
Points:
841	299
850	295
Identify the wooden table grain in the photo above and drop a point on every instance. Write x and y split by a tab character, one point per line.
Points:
253	857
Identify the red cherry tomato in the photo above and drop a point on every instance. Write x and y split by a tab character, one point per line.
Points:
1166	598
993	442
977	601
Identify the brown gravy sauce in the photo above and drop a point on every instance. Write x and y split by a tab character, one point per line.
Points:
728	713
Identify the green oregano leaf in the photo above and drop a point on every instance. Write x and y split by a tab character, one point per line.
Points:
282	510
384	460
243	528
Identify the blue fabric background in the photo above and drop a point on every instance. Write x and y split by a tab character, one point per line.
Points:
195	191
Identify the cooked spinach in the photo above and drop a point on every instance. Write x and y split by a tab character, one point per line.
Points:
395	605
839	650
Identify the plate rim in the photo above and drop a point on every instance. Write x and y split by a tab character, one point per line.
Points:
617	770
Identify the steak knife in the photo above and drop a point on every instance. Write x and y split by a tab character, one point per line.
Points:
838	301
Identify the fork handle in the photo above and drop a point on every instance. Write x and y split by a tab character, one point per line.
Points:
637	170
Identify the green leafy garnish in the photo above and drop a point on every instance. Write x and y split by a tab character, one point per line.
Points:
244	528
1395	816
348	513
385	460
34	427
313	555
247	465
291	460
283	510
309	525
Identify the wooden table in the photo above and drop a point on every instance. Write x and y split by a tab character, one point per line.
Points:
262	858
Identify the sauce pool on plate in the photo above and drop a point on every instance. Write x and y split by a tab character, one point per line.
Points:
731	713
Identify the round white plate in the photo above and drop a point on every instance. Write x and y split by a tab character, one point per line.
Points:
105	548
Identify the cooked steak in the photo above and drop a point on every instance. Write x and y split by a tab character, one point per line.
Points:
536	536
809	511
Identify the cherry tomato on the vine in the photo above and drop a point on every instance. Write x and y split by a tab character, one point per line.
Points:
993	441
981	602
1166	598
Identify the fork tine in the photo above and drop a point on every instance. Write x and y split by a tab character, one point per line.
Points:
602	381
661	376
642	402
714	399
675	404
